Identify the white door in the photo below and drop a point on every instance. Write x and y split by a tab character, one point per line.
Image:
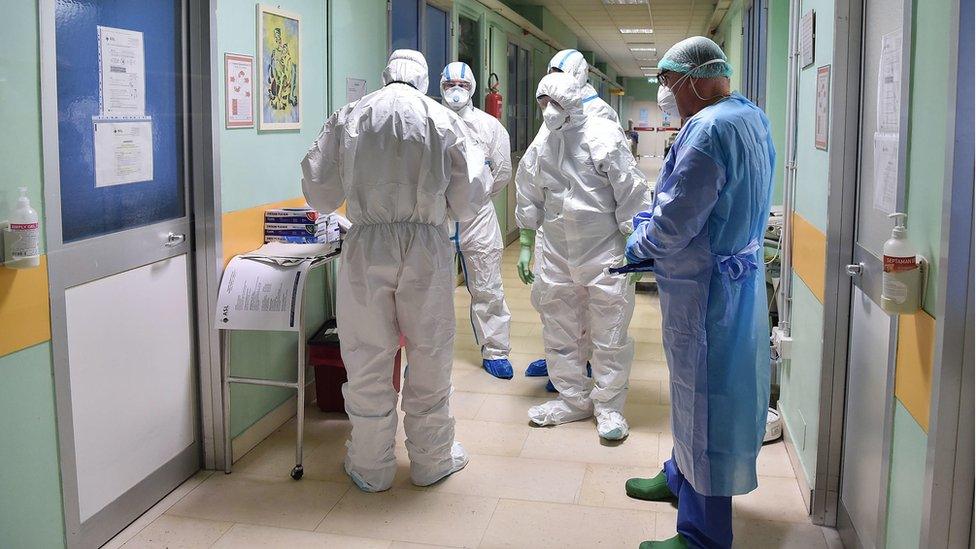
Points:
871	354
119	234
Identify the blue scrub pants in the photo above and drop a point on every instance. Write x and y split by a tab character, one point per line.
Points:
705	521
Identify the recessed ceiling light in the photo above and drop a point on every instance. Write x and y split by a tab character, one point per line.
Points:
645	57
624	2
651	79
639	30
649	68
644	49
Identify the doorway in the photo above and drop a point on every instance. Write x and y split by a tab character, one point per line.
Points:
869	396
115	96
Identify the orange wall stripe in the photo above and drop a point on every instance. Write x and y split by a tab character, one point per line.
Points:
913	365
25	308
809	255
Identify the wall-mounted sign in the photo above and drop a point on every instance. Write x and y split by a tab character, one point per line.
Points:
808	34
355	89
239	90
822	113
889	83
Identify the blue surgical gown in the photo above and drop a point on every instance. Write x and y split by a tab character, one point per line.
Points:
705	233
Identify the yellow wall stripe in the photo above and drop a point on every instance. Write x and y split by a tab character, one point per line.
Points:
913	364
25	308
809	255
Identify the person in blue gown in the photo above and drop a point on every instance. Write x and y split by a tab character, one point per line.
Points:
704	232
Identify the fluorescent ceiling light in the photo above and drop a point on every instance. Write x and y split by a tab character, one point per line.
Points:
649	68
639	30
644	49
624	2
651	79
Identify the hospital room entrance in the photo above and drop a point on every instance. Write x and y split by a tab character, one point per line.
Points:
120	233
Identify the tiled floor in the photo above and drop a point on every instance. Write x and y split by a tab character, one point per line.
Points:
524	487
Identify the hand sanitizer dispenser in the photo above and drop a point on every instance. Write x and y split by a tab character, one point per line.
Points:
901	281
20	237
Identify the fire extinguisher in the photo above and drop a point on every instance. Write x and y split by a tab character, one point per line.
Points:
493	99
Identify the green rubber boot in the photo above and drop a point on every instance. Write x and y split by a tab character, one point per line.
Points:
650	489
677	542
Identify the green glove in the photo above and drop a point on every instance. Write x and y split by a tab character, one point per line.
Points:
527	243
635	277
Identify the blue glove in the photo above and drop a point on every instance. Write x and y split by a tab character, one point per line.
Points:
641	218
633	251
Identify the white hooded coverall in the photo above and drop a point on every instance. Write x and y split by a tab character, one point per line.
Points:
480	239
583	192
571	62
406	169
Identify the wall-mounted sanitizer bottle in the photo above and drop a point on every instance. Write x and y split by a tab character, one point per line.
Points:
21	238
901	281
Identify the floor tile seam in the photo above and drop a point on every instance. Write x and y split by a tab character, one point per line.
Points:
494	509
327	513
225	532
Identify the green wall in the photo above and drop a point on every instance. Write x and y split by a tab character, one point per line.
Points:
800	381
777	45
729	36
907	477
927	135
263	167
928	114
358	41
639	89
30	478
799	400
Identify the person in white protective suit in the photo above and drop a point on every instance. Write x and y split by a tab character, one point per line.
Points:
570	62
583	193
479	241
407	170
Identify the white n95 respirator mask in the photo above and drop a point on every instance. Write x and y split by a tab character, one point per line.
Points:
555	117
667	102
457	97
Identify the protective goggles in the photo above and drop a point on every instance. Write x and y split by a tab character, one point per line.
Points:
448	84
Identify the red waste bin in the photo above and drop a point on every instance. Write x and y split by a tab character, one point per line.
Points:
330	372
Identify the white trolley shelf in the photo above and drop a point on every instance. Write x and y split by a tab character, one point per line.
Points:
264	290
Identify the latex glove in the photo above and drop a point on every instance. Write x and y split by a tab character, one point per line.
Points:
634	278
527	243
632	251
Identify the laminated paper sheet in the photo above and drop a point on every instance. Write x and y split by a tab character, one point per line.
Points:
122	72
123	151
259	295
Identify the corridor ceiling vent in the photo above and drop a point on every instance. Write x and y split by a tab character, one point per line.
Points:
637	30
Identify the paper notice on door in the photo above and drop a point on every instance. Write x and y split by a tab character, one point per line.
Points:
885	172
355	89
122	72
259	295
889	83
123	151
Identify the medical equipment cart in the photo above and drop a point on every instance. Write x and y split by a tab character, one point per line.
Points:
288	258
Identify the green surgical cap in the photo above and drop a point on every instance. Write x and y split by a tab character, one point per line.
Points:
684	56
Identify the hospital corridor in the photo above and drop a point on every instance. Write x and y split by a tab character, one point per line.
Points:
487	274
524	487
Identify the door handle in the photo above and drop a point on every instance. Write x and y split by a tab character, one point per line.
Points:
173	240
855	269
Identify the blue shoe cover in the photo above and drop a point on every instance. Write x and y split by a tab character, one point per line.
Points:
537	368
550	388
498	367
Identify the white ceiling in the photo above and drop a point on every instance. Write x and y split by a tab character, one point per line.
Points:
598	27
